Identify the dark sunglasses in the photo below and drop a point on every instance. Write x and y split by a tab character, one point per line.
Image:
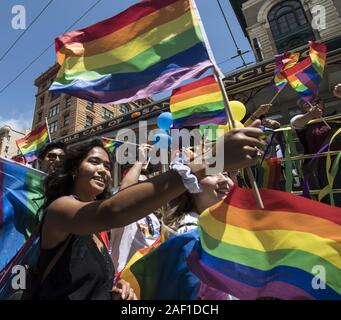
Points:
54	156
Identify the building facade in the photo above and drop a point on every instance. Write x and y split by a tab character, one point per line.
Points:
276	26
66	114
8	146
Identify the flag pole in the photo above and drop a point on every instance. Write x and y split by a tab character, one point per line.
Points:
47	127
277	94
232	125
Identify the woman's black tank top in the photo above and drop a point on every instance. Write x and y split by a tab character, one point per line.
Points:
82	272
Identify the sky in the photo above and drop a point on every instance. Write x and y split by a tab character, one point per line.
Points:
18	100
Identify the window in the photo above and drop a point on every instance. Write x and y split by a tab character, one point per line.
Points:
67	102
124	108
42	100
88	121
40	116
289	25
6	149
90	105
107	114
53	127
8	137
54	95
66	120
257	49
54	110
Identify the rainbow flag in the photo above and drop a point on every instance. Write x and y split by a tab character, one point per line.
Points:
284	62
110	144
152	46
289	250
20	189
32	143
269	173
306	76
198	103
163	273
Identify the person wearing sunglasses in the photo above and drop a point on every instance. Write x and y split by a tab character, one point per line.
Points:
51	156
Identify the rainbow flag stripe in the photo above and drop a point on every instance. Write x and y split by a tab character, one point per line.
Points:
273	252
306	76
20	189
32	143
152	46
284	62
198	103
110	144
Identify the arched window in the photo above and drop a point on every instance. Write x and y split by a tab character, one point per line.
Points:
289	25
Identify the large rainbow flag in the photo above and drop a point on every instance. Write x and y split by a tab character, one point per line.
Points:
33	142
198	103
152	46
306	76
20	190
161	272
289	250
284	62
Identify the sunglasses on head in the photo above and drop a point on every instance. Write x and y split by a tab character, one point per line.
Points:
54	156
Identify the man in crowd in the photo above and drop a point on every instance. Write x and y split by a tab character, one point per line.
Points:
49	158
314	136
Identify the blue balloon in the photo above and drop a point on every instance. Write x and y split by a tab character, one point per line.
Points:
162	140
164	120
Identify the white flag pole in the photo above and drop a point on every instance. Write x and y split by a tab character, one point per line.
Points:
48	130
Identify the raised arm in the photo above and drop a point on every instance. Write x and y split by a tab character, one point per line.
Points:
301	120
69	216
133	174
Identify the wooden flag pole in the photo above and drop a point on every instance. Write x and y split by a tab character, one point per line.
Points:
232	125
276	95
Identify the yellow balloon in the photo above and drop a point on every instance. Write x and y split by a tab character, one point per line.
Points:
238	110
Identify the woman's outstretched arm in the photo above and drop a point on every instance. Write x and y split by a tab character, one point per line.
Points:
67	215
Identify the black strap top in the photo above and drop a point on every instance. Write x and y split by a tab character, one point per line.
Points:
81	273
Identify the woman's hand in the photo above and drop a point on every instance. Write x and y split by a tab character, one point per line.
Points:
220	183
123	291
241	147
262	110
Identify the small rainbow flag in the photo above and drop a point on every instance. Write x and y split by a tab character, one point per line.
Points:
21	190
289	250
110	144
32	143
284	62
152	46
198	103
269	173
306	76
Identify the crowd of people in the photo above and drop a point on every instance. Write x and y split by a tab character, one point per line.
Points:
80	259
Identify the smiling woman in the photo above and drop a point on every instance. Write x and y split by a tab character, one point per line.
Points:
78	206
